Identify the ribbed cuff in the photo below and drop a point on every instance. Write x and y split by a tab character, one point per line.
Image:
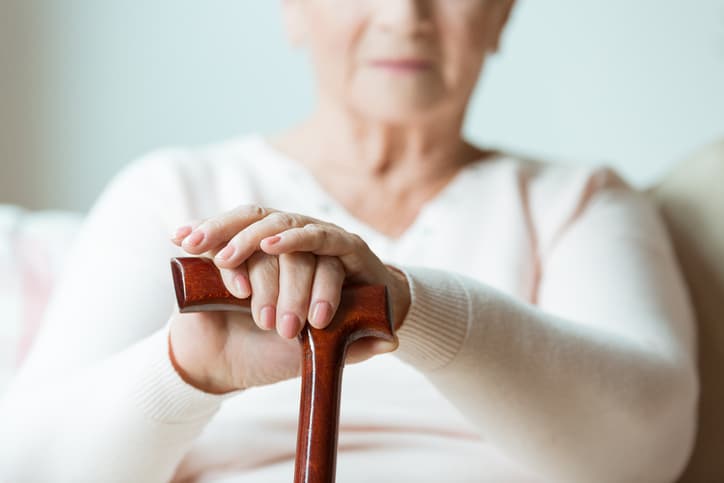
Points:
437	321
161	392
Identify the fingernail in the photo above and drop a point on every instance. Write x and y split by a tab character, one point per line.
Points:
273	240
289	325
226	253
194	239
320	314
242	286
268	317
182	233
384	346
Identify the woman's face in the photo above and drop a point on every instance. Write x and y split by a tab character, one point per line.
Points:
397	60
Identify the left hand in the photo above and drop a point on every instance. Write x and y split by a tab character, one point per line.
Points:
292	262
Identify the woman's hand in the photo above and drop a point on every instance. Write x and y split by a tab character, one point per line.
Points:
293	267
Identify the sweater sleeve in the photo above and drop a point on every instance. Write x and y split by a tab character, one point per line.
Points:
596	381
97	398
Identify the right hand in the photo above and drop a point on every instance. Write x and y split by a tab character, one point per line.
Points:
220	352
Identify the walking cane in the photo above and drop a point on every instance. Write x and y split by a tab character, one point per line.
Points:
363	312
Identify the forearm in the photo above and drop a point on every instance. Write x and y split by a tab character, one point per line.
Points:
574	403
128	418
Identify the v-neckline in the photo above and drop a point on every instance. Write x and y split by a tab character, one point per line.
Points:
441	198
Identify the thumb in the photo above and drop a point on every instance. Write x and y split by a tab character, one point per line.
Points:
367	347
381	346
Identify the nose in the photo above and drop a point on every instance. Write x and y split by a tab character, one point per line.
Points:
407	17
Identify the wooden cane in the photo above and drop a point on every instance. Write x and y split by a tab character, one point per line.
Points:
363	312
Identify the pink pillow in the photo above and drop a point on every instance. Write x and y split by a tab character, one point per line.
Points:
32	249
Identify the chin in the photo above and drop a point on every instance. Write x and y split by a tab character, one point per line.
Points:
400	109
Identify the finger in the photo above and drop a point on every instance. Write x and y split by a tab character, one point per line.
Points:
366	347
247	241
317	238
326	291
359	262
237	281
183	231
264	278
218	230
296	272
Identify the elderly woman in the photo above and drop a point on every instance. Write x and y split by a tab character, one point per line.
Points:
543	332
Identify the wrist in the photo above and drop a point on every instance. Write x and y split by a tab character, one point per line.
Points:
400	296
199	381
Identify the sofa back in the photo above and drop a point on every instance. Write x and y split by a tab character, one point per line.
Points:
691	200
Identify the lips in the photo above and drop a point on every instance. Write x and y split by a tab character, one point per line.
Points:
402	65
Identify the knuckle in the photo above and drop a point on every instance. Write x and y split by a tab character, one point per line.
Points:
281	218
317	230
304	259
296	266
262	297
277	217
213	225
256	258
333	265
255	210
266	265
292	301
335	226
338	267
358	241
240	239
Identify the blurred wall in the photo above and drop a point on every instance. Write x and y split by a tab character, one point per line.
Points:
19	107
87	85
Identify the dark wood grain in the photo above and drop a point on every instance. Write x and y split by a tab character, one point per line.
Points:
363	312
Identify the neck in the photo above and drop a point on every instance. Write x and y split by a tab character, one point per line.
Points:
339	143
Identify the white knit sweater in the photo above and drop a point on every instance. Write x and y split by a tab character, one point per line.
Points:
549	338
